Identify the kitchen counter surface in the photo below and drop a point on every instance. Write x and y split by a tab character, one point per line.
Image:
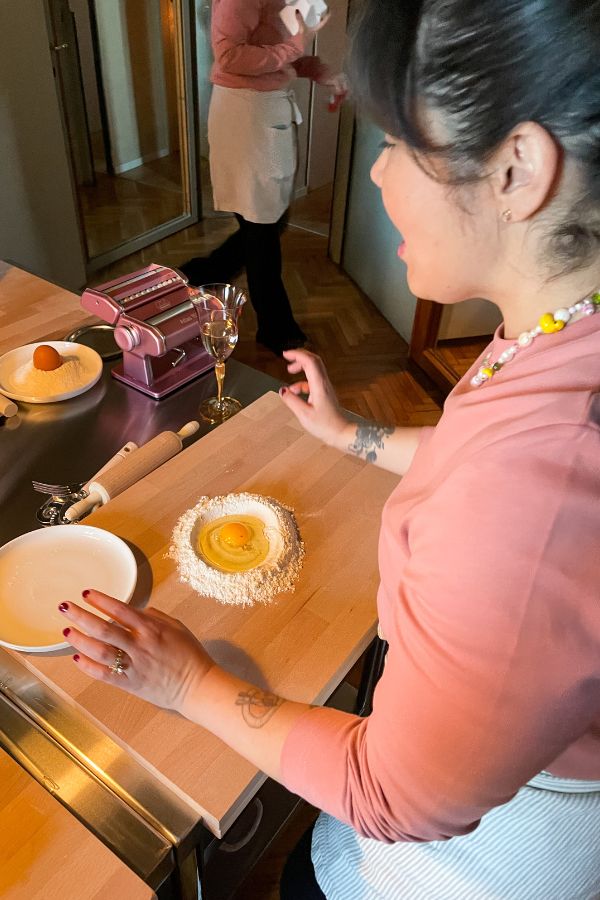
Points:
300	646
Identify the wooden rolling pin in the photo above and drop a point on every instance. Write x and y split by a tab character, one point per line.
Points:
139	463
120	455
7	407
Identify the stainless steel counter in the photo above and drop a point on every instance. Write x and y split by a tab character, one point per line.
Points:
152	831
69	441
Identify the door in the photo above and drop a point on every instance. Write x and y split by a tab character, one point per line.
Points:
124	77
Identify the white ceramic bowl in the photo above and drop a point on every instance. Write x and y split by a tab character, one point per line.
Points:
15	360
41	569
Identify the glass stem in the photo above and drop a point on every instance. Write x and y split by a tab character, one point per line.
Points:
220	374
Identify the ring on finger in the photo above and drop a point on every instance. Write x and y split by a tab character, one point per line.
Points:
118	667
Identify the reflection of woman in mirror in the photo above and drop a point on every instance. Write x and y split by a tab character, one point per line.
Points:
477	775
253	153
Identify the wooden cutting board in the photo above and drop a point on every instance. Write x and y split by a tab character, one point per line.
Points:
301	645
46	854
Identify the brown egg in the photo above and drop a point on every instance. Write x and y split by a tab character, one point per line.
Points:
46	358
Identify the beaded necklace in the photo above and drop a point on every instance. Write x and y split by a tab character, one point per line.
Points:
549	323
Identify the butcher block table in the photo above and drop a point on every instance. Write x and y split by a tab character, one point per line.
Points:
46	854
172	774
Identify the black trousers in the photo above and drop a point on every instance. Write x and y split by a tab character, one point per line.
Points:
257	248
298	881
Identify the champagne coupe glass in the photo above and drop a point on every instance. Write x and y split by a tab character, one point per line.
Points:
218	307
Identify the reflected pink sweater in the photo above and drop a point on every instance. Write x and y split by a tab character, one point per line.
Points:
490	600
253	48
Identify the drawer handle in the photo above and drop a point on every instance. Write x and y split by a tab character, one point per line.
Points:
233	848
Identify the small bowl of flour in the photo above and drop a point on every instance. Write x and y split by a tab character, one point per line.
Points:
20	380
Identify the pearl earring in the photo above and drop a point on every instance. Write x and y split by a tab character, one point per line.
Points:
507	215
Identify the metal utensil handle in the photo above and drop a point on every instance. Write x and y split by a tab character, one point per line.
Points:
83	507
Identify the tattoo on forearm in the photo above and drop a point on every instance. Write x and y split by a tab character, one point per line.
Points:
258	706
368	439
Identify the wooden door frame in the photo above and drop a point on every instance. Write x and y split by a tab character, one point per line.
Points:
423	350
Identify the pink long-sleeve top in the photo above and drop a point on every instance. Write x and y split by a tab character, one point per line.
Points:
253	48
490	600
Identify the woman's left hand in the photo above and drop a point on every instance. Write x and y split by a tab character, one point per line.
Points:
160	660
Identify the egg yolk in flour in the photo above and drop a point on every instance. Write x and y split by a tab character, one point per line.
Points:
234	543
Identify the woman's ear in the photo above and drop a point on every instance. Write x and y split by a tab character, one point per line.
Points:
527	168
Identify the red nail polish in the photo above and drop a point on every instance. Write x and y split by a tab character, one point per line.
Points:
76	657
66	632
63	607
84	593
283	391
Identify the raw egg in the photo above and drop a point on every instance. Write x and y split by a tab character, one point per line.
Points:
234	543
46	358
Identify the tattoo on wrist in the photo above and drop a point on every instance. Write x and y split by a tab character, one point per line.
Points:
368	439
258	706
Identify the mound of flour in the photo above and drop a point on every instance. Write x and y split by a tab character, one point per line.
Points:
70	376
278	573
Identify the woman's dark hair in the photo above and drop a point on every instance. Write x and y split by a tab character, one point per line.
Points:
484	66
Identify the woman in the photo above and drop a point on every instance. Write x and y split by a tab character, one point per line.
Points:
252	138
477	774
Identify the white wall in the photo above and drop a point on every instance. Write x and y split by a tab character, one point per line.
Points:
38	221
135	86
370	253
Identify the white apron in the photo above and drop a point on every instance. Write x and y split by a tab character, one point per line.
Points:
253	151
542	845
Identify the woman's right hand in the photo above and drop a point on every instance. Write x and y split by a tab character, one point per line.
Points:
320	413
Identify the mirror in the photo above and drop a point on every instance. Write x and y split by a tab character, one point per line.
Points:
121	68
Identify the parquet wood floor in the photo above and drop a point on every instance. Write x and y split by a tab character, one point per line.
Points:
117	208
459	353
